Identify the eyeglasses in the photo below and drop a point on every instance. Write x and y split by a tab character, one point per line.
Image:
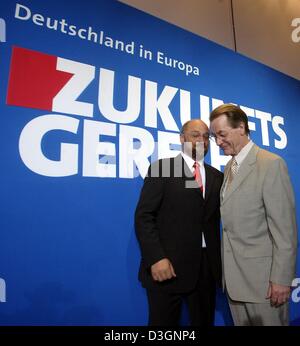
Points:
221	136
196	135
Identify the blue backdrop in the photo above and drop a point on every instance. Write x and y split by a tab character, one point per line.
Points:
90	90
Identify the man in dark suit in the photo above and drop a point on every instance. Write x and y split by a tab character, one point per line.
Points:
177	224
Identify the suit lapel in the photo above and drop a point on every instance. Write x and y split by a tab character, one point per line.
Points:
226	172
245	169
208	181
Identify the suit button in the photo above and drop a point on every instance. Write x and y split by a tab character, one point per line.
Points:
224	229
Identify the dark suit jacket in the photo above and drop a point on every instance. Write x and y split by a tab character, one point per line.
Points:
170	218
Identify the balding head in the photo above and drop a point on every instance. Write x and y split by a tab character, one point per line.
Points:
194	123
194	137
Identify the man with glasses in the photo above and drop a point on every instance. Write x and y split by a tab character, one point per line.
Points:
259	241
177	223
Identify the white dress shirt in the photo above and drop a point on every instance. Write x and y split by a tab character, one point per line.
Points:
190	163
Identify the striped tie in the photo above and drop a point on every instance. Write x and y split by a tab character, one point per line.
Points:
232	172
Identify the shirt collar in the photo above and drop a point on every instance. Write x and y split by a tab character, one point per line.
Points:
243	153
190	162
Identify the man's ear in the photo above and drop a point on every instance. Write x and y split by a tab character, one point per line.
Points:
242	128
181	138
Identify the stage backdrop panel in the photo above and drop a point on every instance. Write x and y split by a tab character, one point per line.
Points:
90	93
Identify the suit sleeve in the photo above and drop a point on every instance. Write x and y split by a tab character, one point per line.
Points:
146	215
280	209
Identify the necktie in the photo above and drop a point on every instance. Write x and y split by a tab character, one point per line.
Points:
232	172
197	175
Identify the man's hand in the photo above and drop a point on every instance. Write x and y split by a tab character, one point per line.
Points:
278	294
162	270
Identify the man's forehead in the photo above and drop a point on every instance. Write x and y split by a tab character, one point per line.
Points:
196	125
220	122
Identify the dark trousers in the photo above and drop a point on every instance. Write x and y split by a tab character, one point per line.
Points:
165	308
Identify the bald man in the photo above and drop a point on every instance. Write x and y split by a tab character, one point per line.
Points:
177	223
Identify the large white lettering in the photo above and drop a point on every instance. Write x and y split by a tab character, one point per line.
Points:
106	98
154	104
136	145
109	151
65	100
30	146
93	164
